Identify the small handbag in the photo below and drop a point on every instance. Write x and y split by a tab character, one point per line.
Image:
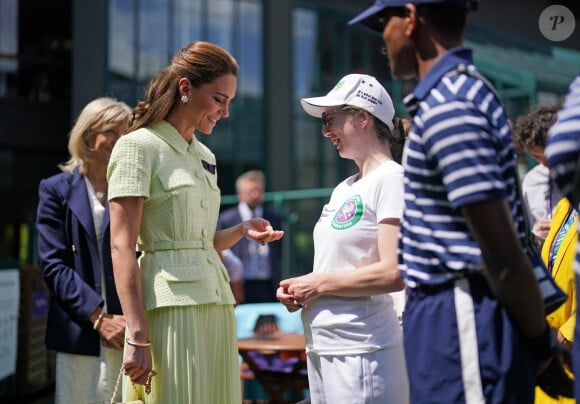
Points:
118	383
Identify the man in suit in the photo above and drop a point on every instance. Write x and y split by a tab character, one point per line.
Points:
261	262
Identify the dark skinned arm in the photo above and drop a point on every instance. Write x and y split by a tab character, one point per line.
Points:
506	265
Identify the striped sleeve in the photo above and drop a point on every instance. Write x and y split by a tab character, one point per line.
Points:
563	147
459	139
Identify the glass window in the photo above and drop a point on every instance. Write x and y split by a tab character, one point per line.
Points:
221	22
306	73
144	35
248	49
325	48
154	46
122	53
8	44
122	59
239	142
139	44
187	22
35	51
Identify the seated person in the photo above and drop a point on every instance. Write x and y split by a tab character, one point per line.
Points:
267	325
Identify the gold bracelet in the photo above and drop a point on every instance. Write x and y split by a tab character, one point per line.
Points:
98	320
138	344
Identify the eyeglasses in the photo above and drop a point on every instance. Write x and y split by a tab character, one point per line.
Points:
327	117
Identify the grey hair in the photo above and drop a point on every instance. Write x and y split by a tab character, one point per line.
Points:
252	175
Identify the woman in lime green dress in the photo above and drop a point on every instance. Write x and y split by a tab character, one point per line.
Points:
181	337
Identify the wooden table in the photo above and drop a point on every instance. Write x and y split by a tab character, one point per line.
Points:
277	383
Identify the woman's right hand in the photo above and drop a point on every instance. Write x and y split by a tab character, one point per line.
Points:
287	300
137	363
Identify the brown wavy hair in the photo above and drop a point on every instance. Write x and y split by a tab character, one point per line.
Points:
200	62
531	130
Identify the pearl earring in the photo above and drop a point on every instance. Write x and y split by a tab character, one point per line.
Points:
184	99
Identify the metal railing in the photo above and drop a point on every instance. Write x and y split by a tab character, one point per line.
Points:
279	197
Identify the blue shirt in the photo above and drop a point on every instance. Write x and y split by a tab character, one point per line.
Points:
460	151
563	148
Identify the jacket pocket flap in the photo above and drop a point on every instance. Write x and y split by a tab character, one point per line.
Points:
176	178
181	273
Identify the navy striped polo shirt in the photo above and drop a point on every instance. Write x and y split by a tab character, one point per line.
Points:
563	149
459	151
564	141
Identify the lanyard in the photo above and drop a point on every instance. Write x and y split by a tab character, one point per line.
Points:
559	237
549	199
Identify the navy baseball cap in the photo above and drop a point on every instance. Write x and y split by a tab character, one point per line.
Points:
369	17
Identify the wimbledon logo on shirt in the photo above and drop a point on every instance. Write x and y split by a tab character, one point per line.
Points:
349	213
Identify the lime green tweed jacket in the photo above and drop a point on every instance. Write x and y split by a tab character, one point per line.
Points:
179	265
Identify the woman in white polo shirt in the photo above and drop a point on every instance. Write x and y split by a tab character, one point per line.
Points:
353	337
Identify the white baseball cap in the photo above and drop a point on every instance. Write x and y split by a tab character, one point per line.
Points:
356	90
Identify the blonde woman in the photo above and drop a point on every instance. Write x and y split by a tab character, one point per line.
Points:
85	323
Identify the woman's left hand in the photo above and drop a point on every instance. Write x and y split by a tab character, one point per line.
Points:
260	230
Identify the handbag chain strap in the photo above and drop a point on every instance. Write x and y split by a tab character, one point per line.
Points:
118	383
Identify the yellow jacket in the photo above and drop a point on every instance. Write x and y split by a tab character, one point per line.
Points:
564	318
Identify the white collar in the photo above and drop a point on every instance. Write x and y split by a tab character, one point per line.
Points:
246	213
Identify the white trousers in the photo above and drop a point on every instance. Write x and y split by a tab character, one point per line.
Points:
378	377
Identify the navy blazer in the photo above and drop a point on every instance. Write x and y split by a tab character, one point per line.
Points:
231	217
69	259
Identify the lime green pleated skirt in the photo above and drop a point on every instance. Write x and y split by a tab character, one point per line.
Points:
195	355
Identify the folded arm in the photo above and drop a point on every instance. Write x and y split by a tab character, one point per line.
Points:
506	265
